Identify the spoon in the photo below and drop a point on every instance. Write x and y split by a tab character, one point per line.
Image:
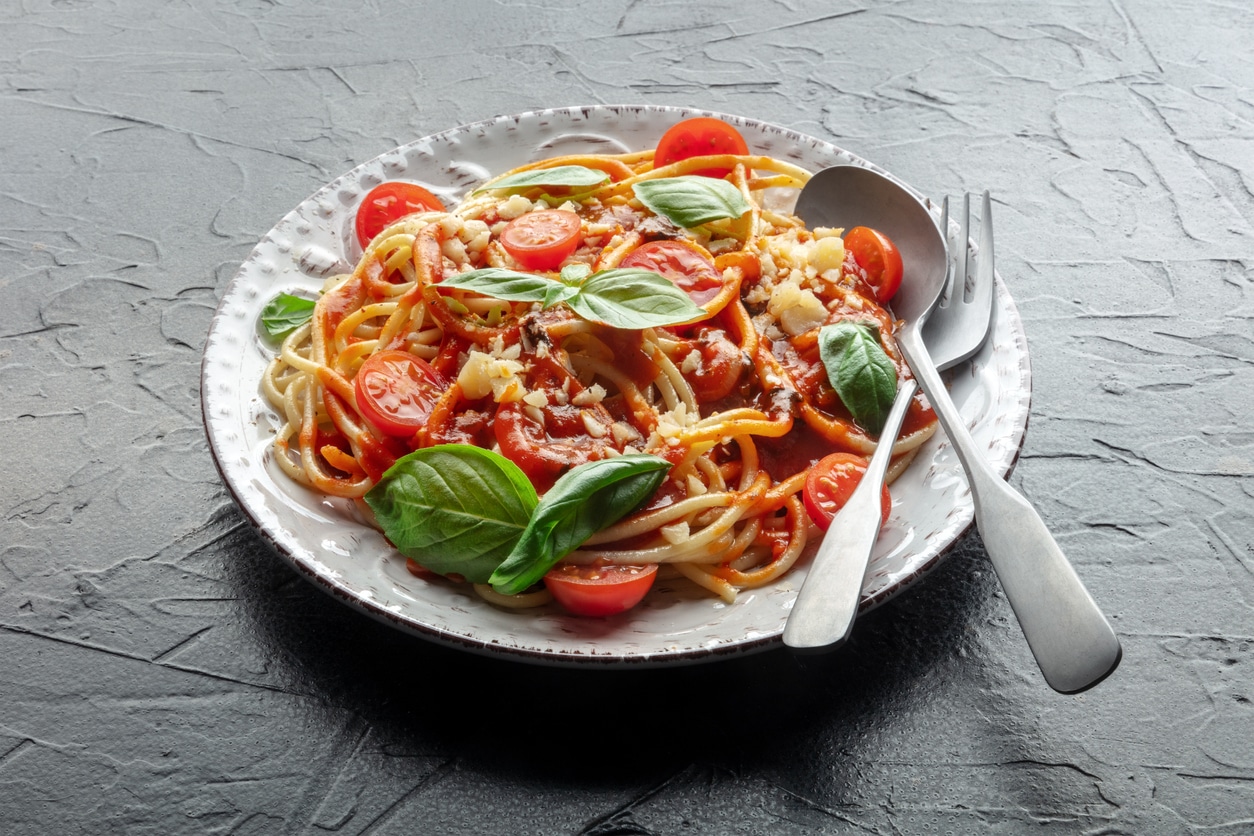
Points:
1072	642
847	196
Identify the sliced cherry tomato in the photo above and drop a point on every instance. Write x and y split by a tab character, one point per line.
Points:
396	392
686	265
699	137
542	240
878	256
599	590
387	203
830	484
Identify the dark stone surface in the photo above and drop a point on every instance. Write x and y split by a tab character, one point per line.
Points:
163	672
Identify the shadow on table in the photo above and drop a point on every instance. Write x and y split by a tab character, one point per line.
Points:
608	725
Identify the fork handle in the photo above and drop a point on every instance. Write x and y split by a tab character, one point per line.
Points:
1072	641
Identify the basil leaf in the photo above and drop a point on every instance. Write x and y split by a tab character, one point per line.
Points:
585	500
691	200
563	175
620	298
558	293
860	371
574	274
632	298
500	283
454	508
285	313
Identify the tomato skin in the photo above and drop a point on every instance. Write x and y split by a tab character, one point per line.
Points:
599	590
542	240
687	266
878	256
396	391
387	203
831	482
699	137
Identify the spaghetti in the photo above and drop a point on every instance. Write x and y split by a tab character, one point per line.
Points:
737	399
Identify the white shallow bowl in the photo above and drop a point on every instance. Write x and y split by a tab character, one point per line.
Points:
327	541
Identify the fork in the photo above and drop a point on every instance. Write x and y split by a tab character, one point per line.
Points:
1072	642
959	324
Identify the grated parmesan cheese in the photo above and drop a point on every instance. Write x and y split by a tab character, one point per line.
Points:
795	308
593	425
515	206
675	533
594	394
482	375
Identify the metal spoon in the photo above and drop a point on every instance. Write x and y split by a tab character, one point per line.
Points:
847	196
1072	642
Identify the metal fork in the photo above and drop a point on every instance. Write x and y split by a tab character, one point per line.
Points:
959	324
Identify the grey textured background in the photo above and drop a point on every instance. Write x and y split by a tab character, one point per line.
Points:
161	671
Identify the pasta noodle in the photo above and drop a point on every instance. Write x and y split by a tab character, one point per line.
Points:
738	402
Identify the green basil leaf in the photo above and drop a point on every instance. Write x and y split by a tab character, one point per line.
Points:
691	200
860	371
285	313
454	508
585	500
563	175
500	283
574	274
558	293
621	298
633	298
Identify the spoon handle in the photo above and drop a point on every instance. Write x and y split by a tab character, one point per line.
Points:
1073	643
822	616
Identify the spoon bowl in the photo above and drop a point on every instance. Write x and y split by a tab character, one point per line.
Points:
848	195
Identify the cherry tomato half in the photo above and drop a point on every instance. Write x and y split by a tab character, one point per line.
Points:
688	267
542	240
699	137
830	484
599	590
387	203
878	256
396	392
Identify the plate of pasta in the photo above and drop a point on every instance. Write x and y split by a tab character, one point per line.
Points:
575	386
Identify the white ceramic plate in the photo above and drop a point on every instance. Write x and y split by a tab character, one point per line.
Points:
326	540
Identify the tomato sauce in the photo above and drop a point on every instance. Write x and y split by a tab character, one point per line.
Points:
792	453
629	355
334	307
